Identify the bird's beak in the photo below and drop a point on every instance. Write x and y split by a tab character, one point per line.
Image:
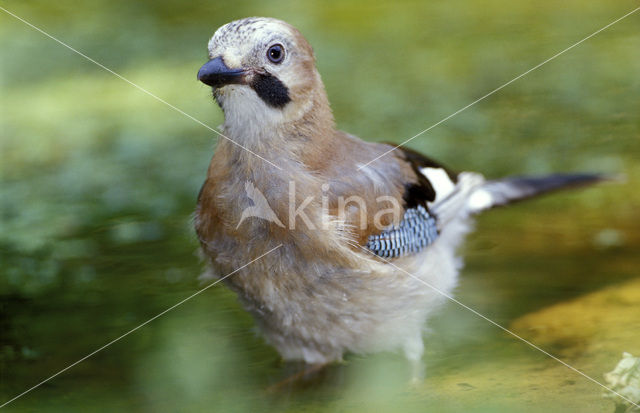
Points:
216	74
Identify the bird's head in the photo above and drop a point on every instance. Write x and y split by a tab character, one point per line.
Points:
262	70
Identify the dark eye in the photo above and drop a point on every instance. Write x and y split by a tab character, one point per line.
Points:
275	53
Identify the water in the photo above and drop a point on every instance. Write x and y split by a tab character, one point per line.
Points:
99	182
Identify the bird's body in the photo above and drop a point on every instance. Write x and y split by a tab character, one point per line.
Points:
361	257
319	295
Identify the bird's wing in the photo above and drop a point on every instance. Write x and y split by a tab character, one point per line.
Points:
434	197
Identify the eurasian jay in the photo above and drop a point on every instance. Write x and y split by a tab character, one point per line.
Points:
361	237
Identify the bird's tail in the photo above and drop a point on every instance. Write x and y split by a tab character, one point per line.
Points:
505	191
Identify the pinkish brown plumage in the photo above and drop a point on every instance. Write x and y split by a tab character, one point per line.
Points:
328	288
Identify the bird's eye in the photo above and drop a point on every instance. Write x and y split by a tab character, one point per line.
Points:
275	53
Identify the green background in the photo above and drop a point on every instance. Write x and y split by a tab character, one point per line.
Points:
99	181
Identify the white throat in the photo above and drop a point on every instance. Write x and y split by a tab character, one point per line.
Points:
246	116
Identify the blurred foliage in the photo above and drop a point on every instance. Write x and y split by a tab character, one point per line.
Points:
99	180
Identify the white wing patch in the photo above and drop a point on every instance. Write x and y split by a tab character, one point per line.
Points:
442	184
480	200
456	203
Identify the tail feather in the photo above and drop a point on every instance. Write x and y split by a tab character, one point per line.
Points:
505	191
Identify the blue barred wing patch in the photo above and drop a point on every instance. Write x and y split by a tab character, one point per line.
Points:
416	230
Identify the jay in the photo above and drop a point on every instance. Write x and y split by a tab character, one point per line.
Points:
361	236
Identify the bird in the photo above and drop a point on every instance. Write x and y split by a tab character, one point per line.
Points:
361	247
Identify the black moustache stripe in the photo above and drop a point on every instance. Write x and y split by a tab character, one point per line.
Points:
271	90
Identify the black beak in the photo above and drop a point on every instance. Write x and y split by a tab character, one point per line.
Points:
216	74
